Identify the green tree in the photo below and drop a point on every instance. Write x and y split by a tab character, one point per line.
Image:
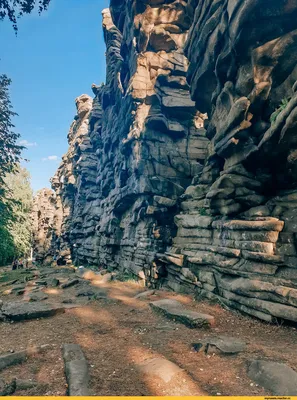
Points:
10	155
10	152
21	196
13	9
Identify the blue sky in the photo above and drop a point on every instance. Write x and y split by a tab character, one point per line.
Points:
55	58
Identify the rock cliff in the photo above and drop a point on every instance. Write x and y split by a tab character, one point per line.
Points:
183	169
43	215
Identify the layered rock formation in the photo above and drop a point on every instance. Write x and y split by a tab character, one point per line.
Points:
43	215
152	186
74	184
237	230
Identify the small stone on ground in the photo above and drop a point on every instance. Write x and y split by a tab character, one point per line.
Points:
220	344
70	283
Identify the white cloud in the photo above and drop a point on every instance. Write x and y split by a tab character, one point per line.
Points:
51	158
26	143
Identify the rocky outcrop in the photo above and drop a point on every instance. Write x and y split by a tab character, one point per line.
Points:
147	135
133	152
43	215
73	183
236	231
182	171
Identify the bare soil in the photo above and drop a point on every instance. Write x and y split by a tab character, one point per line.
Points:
120	332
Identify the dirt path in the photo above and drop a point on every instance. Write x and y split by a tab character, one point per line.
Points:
118	333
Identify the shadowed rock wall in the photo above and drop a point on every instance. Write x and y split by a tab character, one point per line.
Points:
154	187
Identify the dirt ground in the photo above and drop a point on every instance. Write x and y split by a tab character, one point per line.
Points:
119	332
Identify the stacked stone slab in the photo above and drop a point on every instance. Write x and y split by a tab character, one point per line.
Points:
236	238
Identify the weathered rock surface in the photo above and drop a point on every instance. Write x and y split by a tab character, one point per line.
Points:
91	293
38	296
7	360
19	311
43	215
76	370
236	228
203	203
221	344
173	309
278	378
70	283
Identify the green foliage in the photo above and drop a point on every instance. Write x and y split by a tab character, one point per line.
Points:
126	276
13	9
21	195
15	223
10	152
202	211
10	155
20	275
278	110
6	246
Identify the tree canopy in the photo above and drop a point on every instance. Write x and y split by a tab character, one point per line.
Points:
13	9
10	152
15	228
14	184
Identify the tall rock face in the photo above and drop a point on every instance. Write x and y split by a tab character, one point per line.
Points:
43	216
74	184
237	230
183	169
147	135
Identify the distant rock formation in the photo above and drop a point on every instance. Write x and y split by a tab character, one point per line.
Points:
73	181
43	214
152	185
